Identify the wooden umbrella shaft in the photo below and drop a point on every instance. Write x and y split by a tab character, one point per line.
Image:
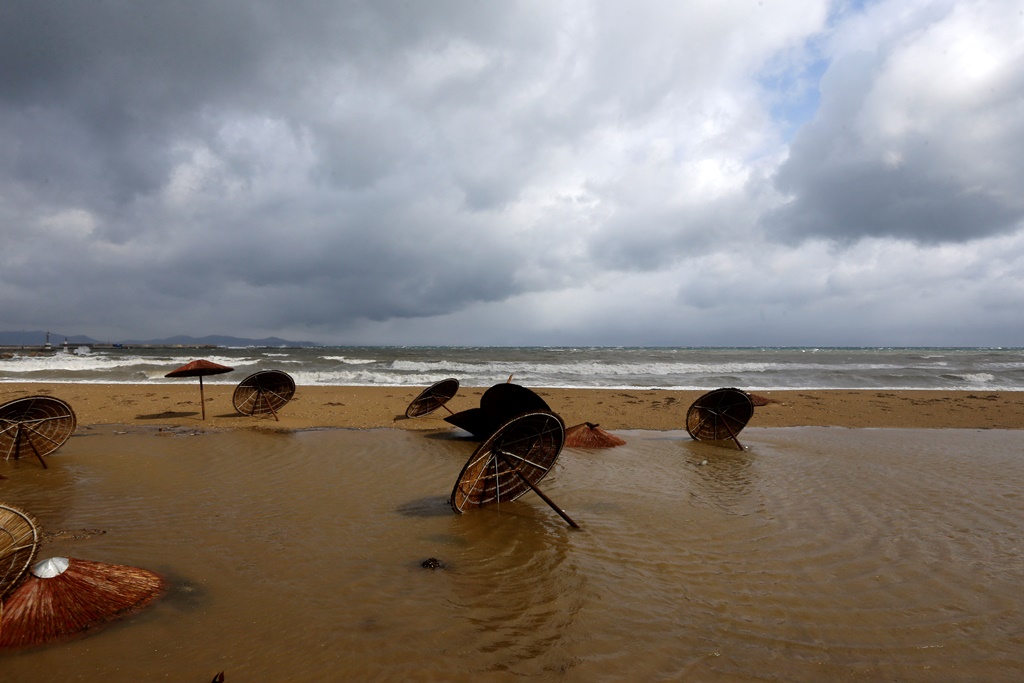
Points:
551	503
270	404
17	448
202	399
725	423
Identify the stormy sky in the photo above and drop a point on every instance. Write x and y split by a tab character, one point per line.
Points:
752	172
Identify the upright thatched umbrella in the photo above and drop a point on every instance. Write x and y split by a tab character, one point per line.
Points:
199	368
64	596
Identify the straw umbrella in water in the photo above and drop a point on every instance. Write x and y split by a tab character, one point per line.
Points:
200	368
65	596
589	435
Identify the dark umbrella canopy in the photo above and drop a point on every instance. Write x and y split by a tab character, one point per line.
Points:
498	405
200	368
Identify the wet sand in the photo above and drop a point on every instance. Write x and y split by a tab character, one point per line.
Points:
177	404
292	548
817	554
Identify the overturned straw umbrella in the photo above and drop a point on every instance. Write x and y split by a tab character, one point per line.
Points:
511	462
590	435
19	542
266	391
64	596
200	368
433	397
36	424
720	415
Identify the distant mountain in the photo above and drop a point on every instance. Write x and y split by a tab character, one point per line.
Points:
220	340
38	338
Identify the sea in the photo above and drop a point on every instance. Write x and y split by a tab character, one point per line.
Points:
682	368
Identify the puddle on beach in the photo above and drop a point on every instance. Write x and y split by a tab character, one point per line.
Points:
816	554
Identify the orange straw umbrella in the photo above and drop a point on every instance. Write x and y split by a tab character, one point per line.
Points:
200	368
589	435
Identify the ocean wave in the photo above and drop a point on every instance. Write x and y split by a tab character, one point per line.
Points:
608	368
351	361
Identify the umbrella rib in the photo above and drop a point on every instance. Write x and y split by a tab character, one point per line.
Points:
497	481
40	420
41	435
520	458
701	422
479	475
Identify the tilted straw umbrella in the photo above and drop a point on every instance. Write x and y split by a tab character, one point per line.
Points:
200	368
65	596
19	542
589	435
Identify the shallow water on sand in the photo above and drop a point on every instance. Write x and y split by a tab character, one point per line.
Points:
816	554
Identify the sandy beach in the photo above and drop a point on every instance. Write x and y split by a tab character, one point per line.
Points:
863	543
177	405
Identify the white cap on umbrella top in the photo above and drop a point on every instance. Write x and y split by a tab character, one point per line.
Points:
47	569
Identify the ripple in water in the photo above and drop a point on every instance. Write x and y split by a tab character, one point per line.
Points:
816	554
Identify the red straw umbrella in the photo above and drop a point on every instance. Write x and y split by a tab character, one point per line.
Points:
199	368
64	596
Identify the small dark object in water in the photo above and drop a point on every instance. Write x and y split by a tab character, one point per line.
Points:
219	678
432	563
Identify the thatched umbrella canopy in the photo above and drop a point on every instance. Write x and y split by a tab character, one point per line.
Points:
65	596
36	424
511	462
200	368
266	391
719	415
589	435
433	397
19	542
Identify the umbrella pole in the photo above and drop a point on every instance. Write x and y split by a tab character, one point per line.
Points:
17	447
40	457
551	503
202	400
725	423
270	404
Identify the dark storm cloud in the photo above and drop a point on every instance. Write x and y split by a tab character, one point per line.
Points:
514	172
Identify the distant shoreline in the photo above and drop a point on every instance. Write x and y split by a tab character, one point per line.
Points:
60	347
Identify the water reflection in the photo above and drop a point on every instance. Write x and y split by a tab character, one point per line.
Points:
723	479
815	554
517	585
